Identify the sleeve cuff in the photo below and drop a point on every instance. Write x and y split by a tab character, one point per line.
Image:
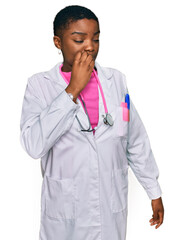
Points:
154	193
64	100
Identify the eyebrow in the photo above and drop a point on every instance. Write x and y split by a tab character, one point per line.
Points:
81	33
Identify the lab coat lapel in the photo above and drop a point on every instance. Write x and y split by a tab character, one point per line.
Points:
104	75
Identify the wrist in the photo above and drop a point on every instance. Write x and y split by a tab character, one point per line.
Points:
73	92
156	200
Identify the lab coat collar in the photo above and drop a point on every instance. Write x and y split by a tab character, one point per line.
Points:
107	72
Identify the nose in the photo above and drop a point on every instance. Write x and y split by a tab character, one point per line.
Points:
89	48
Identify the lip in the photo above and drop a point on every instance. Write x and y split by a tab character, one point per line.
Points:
93	56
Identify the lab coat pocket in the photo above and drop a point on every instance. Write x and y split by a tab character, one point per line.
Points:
119	190
121	122
60	198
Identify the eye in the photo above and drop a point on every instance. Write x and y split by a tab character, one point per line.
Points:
78	41
97	40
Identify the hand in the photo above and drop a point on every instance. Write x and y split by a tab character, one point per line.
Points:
82	68
158	212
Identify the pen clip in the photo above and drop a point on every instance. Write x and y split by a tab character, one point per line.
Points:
127	100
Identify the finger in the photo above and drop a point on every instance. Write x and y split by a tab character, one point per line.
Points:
91	67
154	222
157	226
89	57
161	217
91	61
77	56
84	56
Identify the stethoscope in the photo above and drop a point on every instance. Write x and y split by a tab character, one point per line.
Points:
107	119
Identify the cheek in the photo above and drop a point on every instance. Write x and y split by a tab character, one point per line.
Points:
96	47
72	50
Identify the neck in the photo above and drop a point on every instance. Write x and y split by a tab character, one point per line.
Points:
66	68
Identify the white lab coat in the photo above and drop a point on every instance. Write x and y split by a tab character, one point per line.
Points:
85	176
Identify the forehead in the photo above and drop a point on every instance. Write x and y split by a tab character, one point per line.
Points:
89	26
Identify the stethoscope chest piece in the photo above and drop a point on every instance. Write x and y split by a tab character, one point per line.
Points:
108	119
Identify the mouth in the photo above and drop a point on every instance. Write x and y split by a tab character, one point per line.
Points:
93	56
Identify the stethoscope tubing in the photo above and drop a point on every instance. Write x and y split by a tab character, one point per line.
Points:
82	101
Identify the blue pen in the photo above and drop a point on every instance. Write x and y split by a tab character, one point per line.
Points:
127	100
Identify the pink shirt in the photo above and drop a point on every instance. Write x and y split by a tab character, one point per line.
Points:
90	96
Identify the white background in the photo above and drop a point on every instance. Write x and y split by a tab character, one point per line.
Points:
143	39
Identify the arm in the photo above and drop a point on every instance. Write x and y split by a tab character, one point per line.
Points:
140	156
42	127
143	164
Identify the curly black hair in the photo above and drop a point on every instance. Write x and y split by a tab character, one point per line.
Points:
70	14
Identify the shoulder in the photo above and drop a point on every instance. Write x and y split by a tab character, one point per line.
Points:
110	72
42	77
115	75
36	79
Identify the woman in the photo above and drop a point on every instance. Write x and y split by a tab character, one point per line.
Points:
79	120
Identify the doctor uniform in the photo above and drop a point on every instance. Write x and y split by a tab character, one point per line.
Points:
85	175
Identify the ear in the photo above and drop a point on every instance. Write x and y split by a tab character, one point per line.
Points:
57	42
